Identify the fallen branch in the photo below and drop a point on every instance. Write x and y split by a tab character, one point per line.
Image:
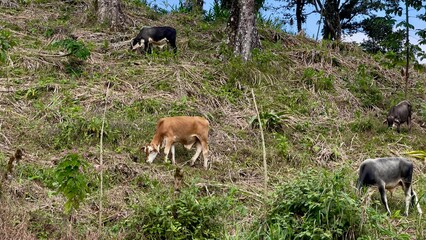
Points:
56	55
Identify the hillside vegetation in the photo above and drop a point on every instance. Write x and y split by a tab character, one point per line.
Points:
323	105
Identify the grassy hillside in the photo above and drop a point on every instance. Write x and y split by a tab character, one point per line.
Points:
323	104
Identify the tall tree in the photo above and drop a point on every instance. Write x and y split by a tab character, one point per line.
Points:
109	11
242	29
394	7
291	7
341	16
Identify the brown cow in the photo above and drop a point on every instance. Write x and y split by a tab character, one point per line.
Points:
183	129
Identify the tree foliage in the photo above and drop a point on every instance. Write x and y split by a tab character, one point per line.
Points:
382	37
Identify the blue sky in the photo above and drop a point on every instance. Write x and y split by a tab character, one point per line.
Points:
311	25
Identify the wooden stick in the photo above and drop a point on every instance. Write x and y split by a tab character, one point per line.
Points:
101	161
265	165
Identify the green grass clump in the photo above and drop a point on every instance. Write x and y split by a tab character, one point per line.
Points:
317	79
188	216
365	88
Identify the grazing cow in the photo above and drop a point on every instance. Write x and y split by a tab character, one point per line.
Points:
388	173
183	129
399	114
154	36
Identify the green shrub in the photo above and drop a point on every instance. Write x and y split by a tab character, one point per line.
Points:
71	180
282	144
318	205
77	54
271	121
188	216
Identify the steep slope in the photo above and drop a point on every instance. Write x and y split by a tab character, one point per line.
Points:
323	104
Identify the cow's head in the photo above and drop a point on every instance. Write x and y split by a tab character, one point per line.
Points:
150	151
393	121
390	120
136	44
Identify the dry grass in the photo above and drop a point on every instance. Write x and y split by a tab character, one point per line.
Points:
234	146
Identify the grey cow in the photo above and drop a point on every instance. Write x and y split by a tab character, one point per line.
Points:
400	114
388	173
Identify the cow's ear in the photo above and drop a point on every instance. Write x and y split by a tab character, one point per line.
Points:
143	148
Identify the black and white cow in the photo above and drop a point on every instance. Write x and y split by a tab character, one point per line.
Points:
157	36
389	173
399	114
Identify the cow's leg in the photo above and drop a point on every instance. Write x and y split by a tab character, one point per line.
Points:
409	123
205	153
149	48
173	45
407	191
197	153
382	191
415	200
146	47
173	154
169	144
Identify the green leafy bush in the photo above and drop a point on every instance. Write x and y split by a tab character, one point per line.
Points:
282	143
271	121
188	216
75	48
317	205
77	53
71	180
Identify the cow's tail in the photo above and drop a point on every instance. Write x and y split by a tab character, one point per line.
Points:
361	178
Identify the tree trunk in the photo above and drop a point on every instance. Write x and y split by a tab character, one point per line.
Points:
332	27
109	11
243	35
299	14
